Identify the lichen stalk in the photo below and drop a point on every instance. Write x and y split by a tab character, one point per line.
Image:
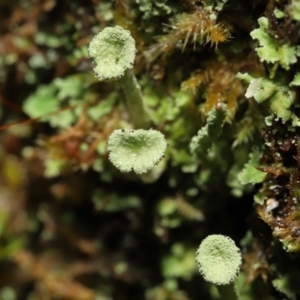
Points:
134	100
228	291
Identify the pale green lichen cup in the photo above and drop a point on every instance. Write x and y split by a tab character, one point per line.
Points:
113	52
219	261
136	150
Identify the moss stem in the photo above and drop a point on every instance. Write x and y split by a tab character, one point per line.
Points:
134	100
228	291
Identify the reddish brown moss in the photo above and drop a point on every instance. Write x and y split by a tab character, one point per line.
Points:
194	27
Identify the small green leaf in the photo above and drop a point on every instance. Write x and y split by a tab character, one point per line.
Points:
69	87
210	132
279	14
53	167
138	150
245	76
294	9
218	259
280	98
296	80
103	108
287	56
269	50
250	174
180	263
280	104
62	119
261	89
42	102
287	286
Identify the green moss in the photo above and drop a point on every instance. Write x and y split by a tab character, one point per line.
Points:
269	49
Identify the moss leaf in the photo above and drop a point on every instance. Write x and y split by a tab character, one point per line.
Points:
210	132
261	89
42	102
250	174
296	80
280	104
269	50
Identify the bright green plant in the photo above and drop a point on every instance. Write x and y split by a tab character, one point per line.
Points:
210	132
277	96
219	262
250	173
270	50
